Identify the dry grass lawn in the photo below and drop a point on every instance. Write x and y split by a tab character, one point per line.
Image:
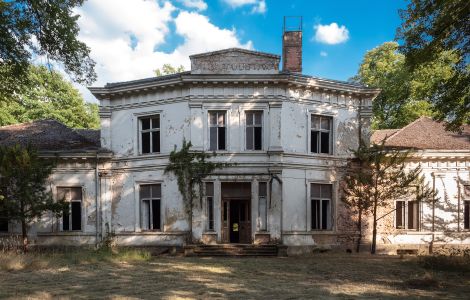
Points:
135	275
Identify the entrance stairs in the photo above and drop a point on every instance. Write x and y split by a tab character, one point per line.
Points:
231	250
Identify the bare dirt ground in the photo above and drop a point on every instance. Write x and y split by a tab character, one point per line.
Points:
137	276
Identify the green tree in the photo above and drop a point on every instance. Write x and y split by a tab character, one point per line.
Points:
429	28
190	168
23	193
168	69
377	176
29	28
406	94
47	96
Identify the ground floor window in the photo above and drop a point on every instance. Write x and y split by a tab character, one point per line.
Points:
72	217
320	199
3	222
210	204
150	197
466	214
407	215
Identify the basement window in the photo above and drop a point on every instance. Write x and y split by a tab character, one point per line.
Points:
72	217
262	205
320	134
210	205
254	129
150	197
150	134
217	130
407	215
321	197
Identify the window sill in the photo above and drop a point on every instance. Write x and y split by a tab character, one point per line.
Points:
66	233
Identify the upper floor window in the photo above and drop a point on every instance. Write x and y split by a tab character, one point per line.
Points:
150	134
150	197
254	130
72	217
320	135
217	130
321	198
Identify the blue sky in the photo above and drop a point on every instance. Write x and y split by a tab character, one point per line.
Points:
131	38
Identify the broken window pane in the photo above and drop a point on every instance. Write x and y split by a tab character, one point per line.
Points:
325	142
221	137
76	207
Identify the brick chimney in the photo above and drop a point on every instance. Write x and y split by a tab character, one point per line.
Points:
292	45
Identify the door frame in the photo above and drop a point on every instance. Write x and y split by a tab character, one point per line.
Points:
225	224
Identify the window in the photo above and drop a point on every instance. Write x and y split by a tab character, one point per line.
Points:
150	197
3	221
217	130
210	204
262	205
466	214
254	128
407	215
320	135
72	217
320	197
150	134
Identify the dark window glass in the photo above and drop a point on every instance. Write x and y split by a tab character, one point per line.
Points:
3	221
466	215
145	191
156	141
145	123
65	220
263	192
156	122
156	214
400	210
249	138
145	142
258	138
314	141
315	214
413	214
324	214
210	204
325	142
225	211
221	138
76	215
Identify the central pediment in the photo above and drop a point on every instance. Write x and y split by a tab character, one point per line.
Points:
234	61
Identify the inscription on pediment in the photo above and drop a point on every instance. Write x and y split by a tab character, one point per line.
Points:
234	62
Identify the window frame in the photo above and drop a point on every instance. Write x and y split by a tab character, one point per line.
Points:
151	199
405	215
253	126
331	211
210	209
225	126
151	131
70	212
320	130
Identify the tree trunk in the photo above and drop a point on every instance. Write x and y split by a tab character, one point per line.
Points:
374	230
359	227
24	232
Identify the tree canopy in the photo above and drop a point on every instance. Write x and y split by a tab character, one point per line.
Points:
30	28
406	93
168	69
23	187
433	27
47	95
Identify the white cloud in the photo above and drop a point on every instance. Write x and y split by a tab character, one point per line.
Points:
323	53
197	4
258	6
331	34
123	36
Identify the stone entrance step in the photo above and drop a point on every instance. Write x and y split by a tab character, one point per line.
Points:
231	250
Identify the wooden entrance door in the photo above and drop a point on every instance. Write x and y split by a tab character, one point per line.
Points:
236	221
